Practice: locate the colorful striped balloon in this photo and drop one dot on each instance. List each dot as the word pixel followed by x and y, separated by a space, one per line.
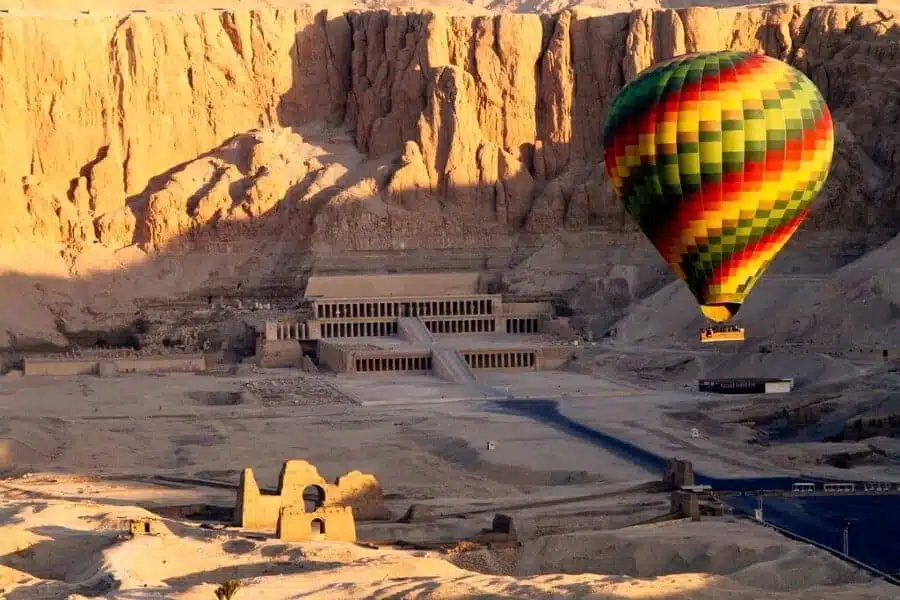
pixel 717 157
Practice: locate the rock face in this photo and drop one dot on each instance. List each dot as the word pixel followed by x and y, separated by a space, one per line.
pixel 144 129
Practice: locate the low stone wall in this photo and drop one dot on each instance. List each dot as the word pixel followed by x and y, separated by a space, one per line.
pixel 161 364
pixel 559 327
pixel 551 358
pixel 279 353
pixel 71 366
pixel 523 309
pixel 189 363
pixel 333 357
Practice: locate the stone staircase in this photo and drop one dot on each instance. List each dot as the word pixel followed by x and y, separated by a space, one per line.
pixel 448 363
pixel 414 331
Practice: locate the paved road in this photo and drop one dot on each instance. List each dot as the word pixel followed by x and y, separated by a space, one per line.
pixel 875 520
pixel 874 529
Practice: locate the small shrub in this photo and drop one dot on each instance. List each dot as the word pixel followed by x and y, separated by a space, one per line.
pixel 227 590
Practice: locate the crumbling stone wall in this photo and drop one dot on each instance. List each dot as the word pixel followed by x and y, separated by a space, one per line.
pixel 279 353
pixel 92 366
pixel 146 526
pixel 678 473
pixel 360 492
pixel 333 523
pixel 685 504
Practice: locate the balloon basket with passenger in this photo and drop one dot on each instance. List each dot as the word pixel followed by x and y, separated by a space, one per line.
pixel 721 333
pixel 717 157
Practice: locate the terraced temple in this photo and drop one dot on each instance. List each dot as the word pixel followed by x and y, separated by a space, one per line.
pixel 442 324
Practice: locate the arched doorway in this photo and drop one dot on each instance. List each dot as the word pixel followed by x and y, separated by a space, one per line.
pixel 313 498
pixel 317 528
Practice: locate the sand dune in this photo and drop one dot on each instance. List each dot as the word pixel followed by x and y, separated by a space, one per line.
pixel 63 549
pixel 59 532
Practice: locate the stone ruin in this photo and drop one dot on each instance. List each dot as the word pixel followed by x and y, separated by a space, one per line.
pixel 678 473
pixel 306 507
pixel 146 526
pixel 685 504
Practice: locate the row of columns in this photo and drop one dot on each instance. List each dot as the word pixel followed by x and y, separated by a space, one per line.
pixel 396 363
pixel 300 331
pixel 291 331
pixel 462 326
pixel 501 360
pixel 367 329
pixel 529 325
pixel 426 308
pixel 522 325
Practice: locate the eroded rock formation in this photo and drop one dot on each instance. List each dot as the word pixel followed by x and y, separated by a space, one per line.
pixel 161 127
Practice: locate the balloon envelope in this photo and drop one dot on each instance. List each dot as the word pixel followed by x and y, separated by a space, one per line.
pixel 717 157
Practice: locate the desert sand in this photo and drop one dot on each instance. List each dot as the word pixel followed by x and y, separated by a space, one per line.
pixel 154 156
pixel 66 546
pixel 99 443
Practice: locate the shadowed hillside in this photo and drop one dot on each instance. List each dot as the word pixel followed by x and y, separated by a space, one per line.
pixel 264 141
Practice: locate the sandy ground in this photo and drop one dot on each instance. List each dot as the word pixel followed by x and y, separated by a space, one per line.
pixel 109 435
pixel 644 325
pixel 211 426
pixel 53 548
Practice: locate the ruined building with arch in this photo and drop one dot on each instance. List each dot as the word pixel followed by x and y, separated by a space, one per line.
pixel 306 507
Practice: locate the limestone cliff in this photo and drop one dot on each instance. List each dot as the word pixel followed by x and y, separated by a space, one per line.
pixel 153 128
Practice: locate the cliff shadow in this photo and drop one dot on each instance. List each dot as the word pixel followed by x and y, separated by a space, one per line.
pixel 856 71
pixel 474 175
pixel 320 73
pixel 276 216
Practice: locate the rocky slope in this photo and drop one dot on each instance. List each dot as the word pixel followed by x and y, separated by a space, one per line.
pixel 156 128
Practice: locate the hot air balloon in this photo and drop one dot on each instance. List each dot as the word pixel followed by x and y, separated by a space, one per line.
pixel 717 157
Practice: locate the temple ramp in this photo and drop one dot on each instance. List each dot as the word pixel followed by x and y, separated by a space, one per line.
pixel 414 331
pixel 449 364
